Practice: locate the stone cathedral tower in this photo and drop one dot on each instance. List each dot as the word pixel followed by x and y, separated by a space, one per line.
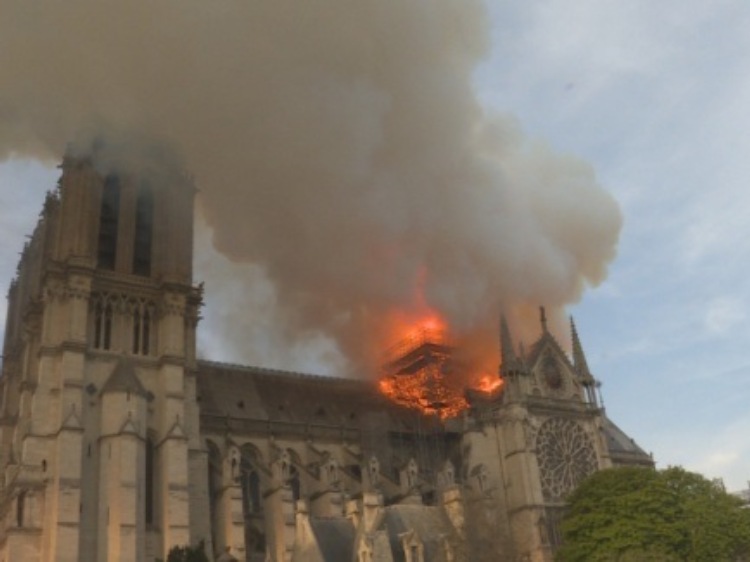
pixel 97 426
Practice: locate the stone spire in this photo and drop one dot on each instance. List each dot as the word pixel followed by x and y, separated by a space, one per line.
pixel 579 358
pixel 510 362
pixel 590 384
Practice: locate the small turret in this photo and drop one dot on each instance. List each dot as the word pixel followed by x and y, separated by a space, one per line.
pixel 543 319
pixel 581 366
pixel 511 364
pixel 512 367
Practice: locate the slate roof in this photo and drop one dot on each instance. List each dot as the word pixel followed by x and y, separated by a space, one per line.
pixel 623 446
pixel 335 538
pixel 430 523
pixel 253 393
pixel 270 396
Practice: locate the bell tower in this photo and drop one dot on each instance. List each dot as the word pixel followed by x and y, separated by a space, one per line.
pixel 98 418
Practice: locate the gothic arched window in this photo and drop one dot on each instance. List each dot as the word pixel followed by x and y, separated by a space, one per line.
pixel 102 323
pixel 294 483
pixel 250 478
pixel 252 499
pixel 144 226
pixel 142 315
pixel 20 508
pixel 109 218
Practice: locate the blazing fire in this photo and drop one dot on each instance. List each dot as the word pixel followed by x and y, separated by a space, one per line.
pixel 421 372
pixel 489 384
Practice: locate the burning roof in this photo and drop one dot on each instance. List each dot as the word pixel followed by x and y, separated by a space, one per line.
pixel 422 373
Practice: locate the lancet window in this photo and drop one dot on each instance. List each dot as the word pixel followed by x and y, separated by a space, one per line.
pixel 109 218
pixel 144 226
pixel 142 314
pixel 117 321
pixel 20 507
pixel 293 477
pixel 103 314
pixel 251 463
pixel 251 492
pixel 215 477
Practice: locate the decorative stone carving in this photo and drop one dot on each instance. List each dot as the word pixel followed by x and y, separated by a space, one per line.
pixel 373 469
pixel 531 428
pixel 447 476
pixel 552 375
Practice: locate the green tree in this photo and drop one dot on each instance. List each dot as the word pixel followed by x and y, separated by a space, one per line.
pixel 642 515
pixel 188 554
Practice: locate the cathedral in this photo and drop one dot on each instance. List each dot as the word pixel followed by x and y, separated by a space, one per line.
pixel 118 443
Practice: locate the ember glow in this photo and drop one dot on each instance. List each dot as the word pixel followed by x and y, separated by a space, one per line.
pixel 422 373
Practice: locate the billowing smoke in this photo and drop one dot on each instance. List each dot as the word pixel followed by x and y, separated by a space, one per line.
pixel 343 159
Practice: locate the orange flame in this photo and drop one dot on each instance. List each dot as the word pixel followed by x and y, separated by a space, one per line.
pixel 421 374
pixel 489 384
pixel 419 371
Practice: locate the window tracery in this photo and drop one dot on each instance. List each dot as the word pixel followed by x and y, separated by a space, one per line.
pixel 141 312
pixel 109 218
pixel 103 314
pixel 250 481
pixel 566 456
pixel 113 314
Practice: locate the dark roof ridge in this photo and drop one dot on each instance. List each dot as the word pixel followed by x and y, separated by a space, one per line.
pixel 267 371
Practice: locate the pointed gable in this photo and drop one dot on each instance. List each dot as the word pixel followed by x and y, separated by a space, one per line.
pixel 129 427
pixel 124 379
pixel 546 346
pixel 553 373
pixel 72 420
pixel 579 358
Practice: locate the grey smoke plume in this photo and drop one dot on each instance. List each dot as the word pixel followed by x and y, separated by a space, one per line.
pixel 341 153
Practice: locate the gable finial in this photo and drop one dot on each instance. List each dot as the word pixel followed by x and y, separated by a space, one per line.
pixel 590 384
pixel 579 358
pixel 543 318
pixel 508 360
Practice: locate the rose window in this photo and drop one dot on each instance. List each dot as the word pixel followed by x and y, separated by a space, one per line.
pixel 566 456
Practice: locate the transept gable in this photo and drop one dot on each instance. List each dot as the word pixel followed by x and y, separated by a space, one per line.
pixel 553 375
pixel 552 372
pixel 546 346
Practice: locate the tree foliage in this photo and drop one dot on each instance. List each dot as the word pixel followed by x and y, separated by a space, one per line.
pixel 188 554
pixel 642 515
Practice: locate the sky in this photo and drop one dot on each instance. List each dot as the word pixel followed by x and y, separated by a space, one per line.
pixel 654 96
